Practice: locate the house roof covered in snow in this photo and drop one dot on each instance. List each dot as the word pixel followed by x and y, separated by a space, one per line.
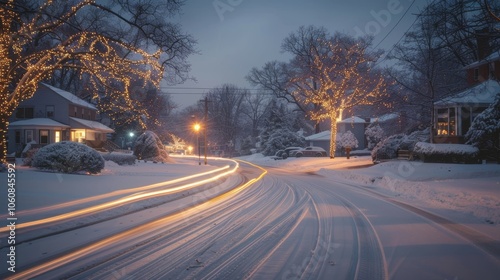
pixel 70 97
pixel 322 136
pixel 384 118
pixel 88 124
pixel 38 122
pixel 481 94
pixel 353 119
pixel 495 56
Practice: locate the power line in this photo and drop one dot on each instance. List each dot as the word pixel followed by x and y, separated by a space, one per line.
pixel 394 27
pixel 203 88
pixel 385 57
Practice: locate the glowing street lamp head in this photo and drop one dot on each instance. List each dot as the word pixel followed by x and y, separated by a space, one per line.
pixel 131 134
pixel 197 127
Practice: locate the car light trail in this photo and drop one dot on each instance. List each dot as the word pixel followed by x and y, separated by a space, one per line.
pixel 120 192
pixel 128 199
pixel 60 261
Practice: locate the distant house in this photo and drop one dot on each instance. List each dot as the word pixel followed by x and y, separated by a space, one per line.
pixel 54 115
pixel 356 125
pixel 454 115
pixel 321 139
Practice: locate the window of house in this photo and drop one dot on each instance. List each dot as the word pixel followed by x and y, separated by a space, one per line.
pixel 76 110
pixel 44 137
pixel 446 121
pixel 57 137
pixel 28 135
pixel 25 113
pixel 49 110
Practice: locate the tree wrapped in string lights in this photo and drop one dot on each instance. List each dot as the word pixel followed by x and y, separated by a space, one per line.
pixel 109 44
pixel 341 75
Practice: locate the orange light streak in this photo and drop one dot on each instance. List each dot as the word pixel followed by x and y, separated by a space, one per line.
pixel 37 270
pixel 120 192
pixel 128 199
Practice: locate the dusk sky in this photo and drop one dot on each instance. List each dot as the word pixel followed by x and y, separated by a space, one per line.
pixel 235 35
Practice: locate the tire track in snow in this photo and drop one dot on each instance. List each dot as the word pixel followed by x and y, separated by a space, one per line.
pixel 368 259
pixel 95 253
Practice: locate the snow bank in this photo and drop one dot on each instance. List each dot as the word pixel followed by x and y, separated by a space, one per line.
pixel 446 152
pixel 470 189
pixel 445 148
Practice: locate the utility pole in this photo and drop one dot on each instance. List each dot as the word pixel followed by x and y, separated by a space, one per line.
pixel 205 130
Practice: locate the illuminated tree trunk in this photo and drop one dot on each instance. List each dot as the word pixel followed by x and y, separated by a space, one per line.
pixel 333 134
pixel 4 123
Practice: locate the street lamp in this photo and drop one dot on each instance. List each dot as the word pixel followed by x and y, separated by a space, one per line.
pixel 197 128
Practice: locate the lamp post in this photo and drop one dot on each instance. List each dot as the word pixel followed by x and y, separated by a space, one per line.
pixel 197 129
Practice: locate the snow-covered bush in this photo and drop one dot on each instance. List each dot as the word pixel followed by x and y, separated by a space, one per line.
pixel 148 146
pixel 68 157
pixel 485 128
pixel 28 156
pixel 374 134
pixel 446 153
pixel 119 158
pixel 388 148
pixel 348 140
pixel 281 139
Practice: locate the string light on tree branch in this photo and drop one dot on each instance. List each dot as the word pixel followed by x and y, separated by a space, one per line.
pixel 111 64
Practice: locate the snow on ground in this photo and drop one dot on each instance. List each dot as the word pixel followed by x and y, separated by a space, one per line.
pixel 36 189
pixel 464 193
pixel 460 192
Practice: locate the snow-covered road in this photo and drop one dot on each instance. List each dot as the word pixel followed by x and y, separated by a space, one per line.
pixel 285 225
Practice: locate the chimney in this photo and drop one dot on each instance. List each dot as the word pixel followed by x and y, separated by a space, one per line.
pixel 483 43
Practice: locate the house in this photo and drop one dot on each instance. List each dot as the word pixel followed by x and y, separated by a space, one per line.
pixel 354 124
pixel 357 126
pixel 453 116
pixel 54 115
pixel 321 139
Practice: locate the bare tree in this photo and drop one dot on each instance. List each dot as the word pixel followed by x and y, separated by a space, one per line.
pixel 426 71
pixel 254 108
pixel 40 38
pixel 432 56
pixel 225 113
pixel 304 45
pixel 458 23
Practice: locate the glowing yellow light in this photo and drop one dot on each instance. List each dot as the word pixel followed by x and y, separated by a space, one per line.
pixel 197 127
